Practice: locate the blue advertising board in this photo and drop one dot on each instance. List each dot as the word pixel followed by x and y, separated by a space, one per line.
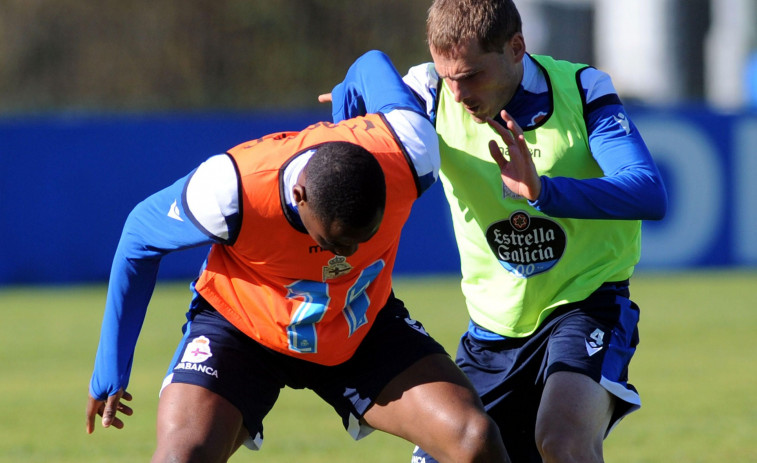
pixel 709 163
pixel 67 183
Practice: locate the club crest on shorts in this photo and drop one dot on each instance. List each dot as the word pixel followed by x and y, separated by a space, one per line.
pixel 596 343
pixel 416 325
pixel 336 267
pixel 197 351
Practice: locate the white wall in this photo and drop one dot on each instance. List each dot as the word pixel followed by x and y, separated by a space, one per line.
pixel 729 45
pixel 634 42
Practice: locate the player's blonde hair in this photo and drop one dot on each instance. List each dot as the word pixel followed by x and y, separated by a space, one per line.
pixel 451 23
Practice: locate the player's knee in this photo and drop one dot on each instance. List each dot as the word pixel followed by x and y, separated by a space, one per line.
pixel 561 448
pixel 188 454
pixel 480 441
pixel 468 440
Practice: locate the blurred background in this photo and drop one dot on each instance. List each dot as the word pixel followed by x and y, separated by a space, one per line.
pixel 103 103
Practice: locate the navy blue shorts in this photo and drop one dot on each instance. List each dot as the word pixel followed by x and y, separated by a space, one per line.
pixel 217 356
pixel 596 337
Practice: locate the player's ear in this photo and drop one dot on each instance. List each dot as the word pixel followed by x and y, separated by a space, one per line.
pixel 299 193
pixel 517 45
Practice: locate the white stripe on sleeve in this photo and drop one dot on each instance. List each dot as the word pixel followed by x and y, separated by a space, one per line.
pixel 420 140
pixel 212 195
pixel 596 84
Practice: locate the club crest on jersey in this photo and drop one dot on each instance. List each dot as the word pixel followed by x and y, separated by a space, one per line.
pixel 197 351
pixel 336 267
pixel 526 245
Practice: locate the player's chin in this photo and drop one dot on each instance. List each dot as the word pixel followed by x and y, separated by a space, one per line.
pixel 477 115
pixel 479 118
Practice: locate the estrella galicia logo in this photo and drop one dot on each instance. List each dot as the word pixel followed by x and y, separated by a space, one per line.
pixel 525 245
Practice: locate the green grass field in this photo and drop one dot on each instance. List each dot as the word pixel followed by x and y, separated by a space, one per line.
pixel 696 369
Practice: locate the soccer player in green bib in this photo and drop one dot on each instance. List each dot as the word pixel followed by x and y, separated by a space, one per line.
pixel 548 181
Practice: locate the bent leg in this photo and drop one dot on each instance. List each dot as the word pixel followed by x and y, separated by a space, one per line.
pixel 196 425
pixel 433 405
pixel 573 418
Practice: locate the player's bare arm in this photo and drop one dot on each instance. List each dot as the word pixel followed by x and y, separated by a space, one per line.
pixel 108 410
pixel 519 173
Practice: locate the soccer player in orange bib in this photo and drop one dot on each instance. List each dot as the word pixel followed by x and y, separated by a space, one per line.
pixel 296 289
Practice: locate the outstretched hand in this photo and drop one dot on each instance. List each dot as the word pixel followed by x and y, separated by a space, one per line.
pixel 108 409
pixel 324 98
pixel 519 173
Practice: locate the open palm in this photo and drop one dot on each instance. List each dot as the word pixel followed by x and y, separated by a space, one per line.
pixel 519 173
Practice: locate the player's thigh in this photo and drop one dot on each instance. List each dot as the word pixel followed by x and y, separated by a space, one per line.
pixel 589 350
pixel 216 356
pixel 430 400
pixel 195 424
pixel 574 409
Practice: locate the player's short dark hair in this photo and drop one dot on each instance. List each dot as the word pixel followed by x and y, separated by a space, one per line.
pixel 345 184
pixel 453 22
